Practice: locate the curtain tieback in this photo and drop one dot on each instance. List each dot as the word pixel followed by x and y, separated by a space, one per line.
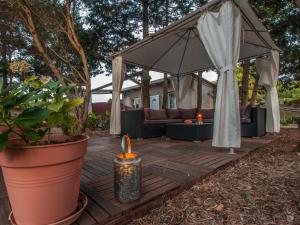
pixel 116 92
pixel 226 68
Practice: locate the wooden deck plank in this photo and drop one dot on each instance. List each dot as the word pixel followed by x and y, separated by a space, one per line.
pixel 4 211
pixel 168 167
pixel 96 212
pixel 86 219
pixel 107 205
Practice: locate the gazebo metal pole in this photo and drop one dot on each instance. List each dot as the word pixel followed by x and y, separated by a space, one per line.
pixel 178 90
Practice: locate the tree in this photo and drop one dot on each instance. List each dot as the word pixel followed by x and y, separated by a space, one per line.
pixel 256 92
pixel 145 79
pixel 12 39
pixel 107 27
pixel 166 83
pixel 199 91
pixel 281 17
pixel 52 27
pixel 245 83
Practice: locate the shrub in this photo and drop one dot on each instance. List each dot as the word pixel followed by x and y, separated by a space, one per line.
pixel 289 120
pixel 31 108
pixel 93 121
pixel 104 121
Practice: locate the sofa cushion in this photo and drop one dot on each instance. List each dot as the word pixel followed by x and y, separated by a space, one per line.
pixel 173 114
pixel 187 113
pixel 246 120
pixel 207 113
pixel 210 120
pixel 159 114
pixel 147 113
pixel 163 121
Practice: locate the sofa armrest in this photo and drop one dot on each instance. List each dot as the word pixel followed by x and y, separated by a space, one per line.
pixel 258 116
pixel 132 122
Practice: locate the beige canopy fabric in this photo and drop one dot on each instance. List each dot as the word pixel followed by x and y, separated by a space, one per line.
pixel 221 33
pixel 118 74
pixel 178 49
pixel 183 90
pixel 268 71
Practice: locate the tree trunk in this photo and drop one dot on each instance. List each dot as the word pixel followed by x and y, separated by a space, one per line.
pixel 145 89
pixel 254 93
pixel 165 92
pixel 25 13
pixel 199 91
pixel 166 87
pixel 72 36
pixel 4 66
pixel 146 77
pixel 245 83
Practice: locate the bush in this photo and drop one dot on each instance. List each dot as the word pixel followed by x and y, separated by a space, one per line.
pixel 289 120
pixel 32 108
pixel 104 121
pixel 93 121
pixel 98 121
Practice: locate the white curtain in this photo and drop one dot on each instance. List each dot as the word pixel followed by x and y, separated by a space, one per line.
pixel 185 88
pixel 118 74
pixel 220 33
pixel 268 71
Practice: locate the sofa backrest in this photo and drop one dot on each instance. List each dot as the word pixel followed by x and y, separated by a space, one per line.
pixel 207 113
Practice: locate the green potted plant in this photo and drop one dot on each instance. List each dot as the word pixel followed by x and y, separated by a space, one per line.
pixel 41 169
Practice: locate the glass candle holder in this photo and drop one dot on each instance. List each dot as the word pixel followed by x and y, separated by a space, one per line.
pixel 127 179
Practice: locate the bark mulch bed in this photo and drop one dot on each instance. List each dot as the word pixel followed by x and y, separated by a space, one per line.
pixel 263 188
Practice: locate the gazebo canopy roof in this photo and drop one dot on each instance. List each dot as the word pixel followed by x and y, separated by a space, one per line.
pixel 178 49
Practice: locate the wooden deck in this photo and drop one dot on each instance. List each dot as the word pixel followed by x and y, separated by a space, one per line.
pixel 169 166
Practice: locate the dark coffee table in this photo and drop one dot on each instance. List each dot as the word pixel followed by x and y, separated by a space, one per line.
pixel 190 132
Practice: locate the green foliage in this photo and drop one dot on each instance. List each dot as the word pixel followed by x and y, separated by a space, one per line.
pixel 281 17
pixel 33 107
pixel 93 121
pixel 289 120
pixel 252 76
pixel 101 122
pixel 104 121
pixel 289 94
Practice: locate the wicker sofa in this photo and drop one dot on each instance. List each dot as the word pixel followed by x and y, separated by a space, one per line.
pixel 147 123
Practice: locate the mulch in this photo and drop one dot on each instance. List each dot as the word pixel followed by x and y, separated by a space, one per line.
pixel 262 188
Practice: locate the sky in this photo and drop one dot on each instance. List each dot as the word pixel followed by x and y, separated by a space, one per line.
pixel 102 80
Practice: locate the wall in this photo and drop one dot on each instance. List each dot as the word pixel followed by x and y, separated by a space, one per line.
pixel 157 89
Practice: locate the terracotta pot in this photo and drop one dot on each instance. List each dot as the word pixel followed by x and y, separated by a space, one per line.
pixel 4 128
pixel 43 182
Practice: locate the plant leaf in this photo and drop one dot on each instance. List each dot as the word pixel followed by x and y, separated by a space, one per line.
pixel 30 117
pixel 51 85
pixel 34 135
pixel 56 104
pixel 4 139
pixel 29 79
pixel 55 119
pixel 9 101
pixel 72 104
pixel 66 89
pixel 1 86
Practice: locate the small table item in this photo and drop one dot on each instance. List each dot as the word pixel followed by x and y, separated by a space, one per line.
pixel 190 132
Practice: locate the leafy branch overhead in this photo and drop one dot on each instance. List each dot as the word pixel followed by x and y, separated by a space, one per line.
pixel 30 109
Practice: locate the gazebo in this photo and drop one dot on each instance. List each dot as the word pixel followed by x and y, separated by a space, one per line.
pixel 217 35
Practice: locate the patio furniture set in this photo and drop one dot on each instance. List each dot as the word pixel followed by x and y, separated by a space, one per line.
pixel 150 123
